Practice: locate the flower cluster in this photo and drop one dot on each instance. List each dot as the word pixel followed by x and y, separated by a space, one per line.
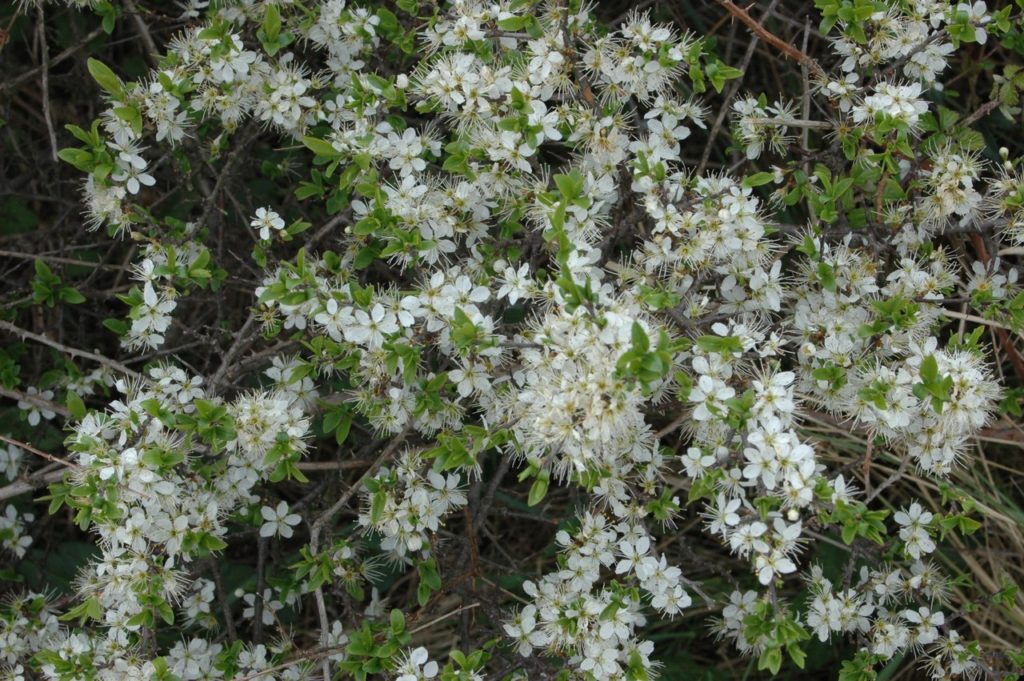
pixel 406 505
pixel 595 623
pixel 519 268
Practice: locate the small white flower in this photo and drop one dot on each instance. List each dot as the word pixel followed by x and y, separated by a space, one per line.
pixel 10 461
pixel 279 521
pixel 417 666
pixel 266 220
pixel 977 14
pixel 914 530
pixel 34 408
pixel 370 329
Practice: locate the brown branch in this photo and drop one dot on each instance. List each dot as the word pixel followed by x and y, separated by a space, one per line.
pixel 730 93
pixel 236 369
pixel 60 260
pixel 25 334
pixel 30 484
pixel 242 340
pixel 37 400
pixel 1005 342
pixel 308 466
pixel 222 599
pixel 152 53
pixel 44 53
pixel 40 453
pixel 982 111
pixel 321 521
pixel 28 75
pixel 246 137
pixel 792 123
pixel 888 482
pixel 457 611
pixel 678 421
pixel 301 656
pixel 775 41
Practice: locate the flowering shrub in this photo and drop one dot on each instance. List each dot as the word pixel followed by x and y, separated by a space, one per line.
pixel 477 246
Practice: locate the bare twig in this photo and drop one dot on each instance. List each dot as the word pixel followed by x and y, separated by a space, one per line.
pixel 488 498
pixel 241 340
pixel 676 422
pixel 36 400
pixel 30 484
pixel 307 466
pixel 321 521
pixel 888 482
pixel 222 599
pixel 38 452
pixel 152 53
pixel 778 43
pixel 805 110
pixel 979 113
pixel 456 611
pixel 318 525
pixel 59 259
pixel 306 655
pixel 327 228
pixel 734 87
pixel 261 581
pixel 233 158
pixel 25 334
pixel 31 73
pixel 256 358
pixel 793 123
pixel 569 50
pixel 44 56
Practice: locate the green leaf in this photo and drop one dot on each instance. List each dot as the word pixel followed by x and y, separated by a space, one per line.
pixel 641 343
pixel 517 23
pixel 429 575
pixel 44 272
pixel 109 13
pixel 397 621
pixel 118 326
pixel 422 594
pixel 320 147
pixel 842 186
pixel 272 22
pixel 860 668
pixel 539 488
pixel 79 158
pixel 702 488
pixel 849 533
pixel 929 369
pixel 827 274
pixel 758 179
pixel 75 405
pixel 377 503
pixel 570 185
pixel 131 115
pixel 771 659
pixel 341 431
pixel 387 25
pixel 106 78
pixel 797 654
pixel 719 72
pixel 722 344
pixel 71 295
pixel 46 286
pixel 89 609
